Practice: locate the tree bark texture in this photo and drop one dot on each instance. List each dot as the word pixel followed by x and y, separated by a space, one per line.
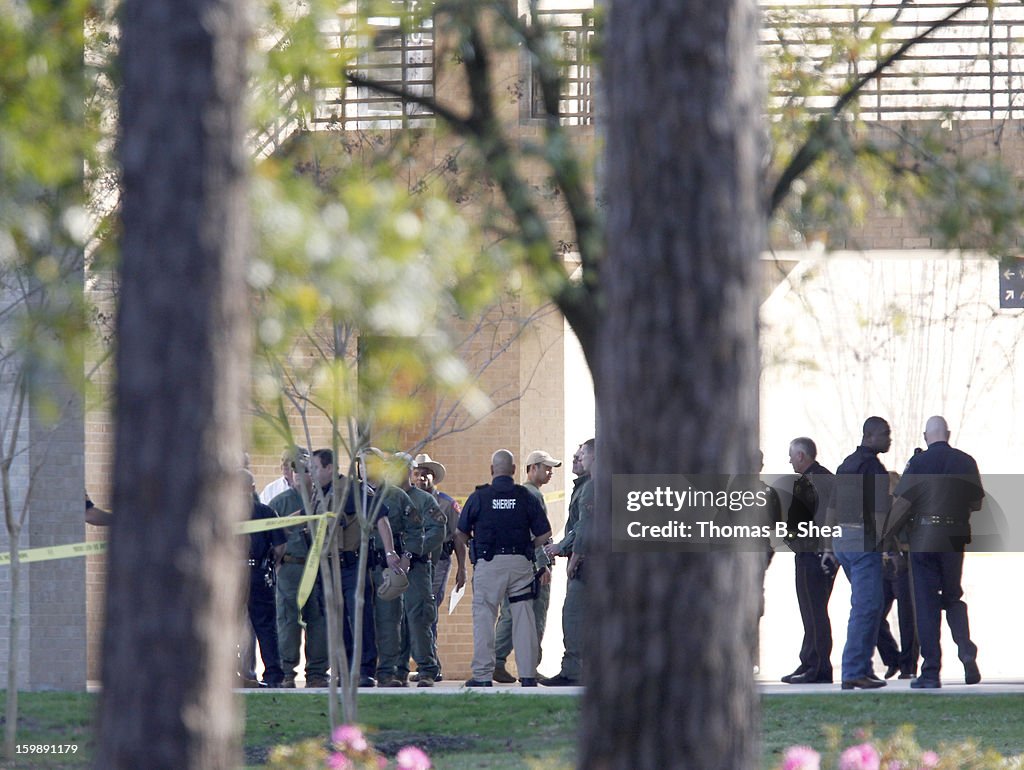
pixel 669 673
pixel 174 569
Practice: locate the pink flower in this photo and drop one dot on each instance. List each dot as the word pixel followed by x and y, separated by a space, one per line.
pixel 896 764
pixel 382 763
pixel 412 758
pixel 801 758
pixel 861 757
pixel 350 737
pixel 339 762
pixel 929 759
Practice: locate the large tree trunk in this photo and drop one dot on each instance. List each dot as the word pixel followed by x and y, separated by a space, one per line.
pixel 174 566
pixel 669 682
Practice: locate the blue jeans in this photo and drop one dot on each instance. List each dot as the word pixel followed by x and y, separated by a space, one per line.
pixel 864 571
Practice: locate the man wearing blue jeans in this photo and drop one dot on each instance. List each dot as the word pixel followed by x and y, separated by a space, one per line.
pixel 860 501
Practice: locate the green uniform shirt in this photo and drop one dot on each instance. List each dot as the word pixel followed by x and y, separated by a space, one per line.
pixel 565 547
pixel 427 524
pixel 285 504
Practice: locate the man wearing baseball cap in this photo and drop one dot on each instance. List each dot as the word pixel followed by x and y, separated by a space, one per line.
pixel 539 467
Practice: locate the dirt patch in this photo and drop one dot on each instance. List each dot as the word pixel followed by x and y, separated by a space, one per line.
pixel 389 742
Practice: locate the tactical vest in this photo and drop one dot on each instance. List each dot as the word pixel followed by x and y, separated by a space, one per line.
pixel 503 523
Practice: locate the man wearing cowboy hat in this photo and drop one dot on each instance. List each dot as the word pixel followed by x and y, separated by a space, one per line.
pixel 426 475
pixel 539 467
pixel 425 532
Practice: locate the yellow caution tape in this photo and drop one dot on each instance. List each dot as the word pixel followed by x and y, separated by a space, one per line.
pixel 312 562
pixel 263 525
pixel 48 553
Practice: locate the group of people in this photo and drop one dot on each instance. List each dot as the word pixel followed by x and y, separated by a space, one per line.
pixel 896 538
pixel 505 529
pixel 416 533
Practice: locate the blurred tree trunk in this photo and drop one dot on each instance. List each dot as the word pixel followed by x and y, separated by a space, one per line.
pixel 669 676
pixel 174 567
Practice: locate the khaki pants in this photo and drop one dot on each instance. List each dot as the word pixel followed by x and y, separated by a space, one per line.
pixel 503 576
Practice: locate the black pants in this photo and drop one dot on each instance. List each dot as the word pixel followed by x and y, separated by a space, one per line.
pixel 368 660
pixel 936 580
pixel 813 590
pixel 896 588
pixel 262 607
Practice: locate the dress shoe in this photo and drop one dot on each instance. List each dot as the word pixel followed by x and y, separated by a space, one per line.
pixel 873 677
pixel 367 681
pixel 925 684
pixel 971 673
pixel 892 670
pixel 390 681
pixel 558 680
pixel 528 681
pixel 810 678
pixel 425 681
pixel 787 679
pixel 477 683
pixel 864 683
pixel 907 675
pixel 502 676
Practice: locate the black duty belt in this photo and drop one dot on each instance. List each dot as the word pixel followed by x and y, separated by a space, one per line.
pixel 349 558
pixel 510 550
pixel 940 521
pixel 416 558
pixel 289 559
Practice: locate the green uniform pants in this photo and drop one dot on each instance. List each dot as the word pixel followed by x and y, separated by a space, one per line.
pixel 418 623
pixel 572 630
pixel 387 621
pixel 289 632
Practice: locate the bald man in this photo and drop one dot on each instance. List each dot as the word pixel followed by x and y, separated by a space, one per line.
pixel 507 524
pixel 934 500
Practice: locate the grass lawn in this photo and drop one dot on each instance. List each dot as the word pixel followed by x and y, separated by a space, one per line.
pixel 505 732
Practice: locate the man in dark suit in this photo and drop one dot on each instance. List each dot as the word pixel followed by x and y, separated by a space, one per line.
pixel 811 493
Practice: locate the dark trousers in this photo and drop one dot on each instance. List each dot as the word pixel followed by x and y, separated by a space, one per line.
pixel 262 607
pixel 368 661
pixel 936 580
pixel 896 588
pixel 813 590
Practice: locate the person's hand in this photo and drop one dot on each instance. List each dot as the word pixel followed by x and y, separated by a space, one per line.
pixel 460 578
pixel 545 577
pixel 829 563
pixel 574 563
pixel 551 550
pixel 394 562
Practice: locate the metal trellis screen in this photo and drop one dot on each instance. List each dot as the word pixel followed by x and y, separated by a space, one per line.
pixel 971 68
pixel 391 51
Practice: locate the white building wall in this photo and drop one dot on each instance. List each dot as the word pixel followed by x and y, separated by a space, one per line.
pixel 903 335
